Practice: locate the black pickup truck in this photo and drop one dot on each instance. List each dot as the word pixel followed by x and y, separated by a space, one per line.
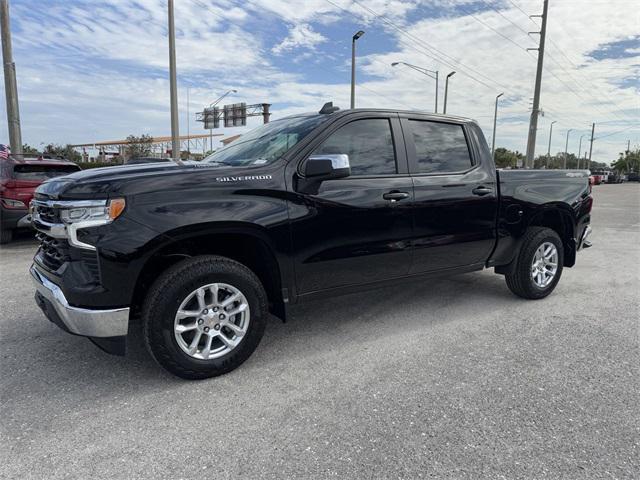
pixel 307 206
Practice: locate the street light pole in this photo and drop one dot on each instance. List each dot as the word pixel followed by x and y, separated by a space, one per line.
pixel 446 90
pixel 549 149
pixel 579 150
pixel 173 87
pixel 429 73
pixel 593 129
pixel 436 106
pixel 566 146
pixel 357 35
pixel 495 121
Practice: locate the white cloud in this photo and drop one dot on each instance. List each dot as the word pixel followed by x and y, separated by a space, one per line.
pixel 300 36
pixel 107 76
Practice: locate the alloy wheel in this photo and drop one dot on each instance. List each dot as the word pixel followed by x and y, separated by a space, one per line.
pixel 211 321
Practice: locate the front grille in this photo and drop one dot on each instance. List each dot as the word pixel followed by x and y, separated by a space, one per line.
pixel 47 214
pixel 54 251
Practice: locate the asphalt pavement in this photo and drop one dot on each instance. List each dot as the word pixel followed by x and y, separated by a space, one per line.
pixel 446 378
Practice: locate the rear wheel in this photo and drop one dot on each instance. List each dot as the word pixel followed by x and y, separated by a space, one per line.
pixel 6 236
pixel 204 317
pixel 538 268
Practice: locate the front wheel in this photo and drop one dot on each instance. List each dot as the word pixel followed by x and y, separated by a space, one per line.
pixel 204 317
pixel 538 267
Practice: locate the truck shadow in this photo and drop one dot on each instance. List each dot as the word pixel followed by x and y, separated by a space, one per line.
pixel 314 332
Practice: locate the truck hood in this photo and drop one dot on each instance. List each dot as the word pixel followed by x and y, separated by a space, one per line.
pixel 141 178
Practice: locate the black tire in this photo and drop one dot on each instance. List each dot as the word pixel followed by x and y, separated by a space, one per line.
pixel 519 278
pixel 164 299
pixel 6 236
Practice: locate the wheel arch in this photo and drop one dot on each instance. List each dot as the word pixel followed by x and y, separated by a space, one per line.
pixel 246 243
pixel 559 218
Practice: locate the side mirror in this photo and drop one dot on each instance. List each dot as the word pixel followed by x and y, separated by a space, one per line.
pixel 327 167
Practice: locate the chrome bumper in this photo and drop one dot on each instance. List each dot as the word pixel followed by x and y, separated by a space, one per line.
pixel 82 321
pixel 584 241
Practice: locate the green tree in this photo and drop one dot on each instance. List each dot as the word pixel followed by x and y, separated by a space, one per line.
pixel 628 161
pixel 29 150
pixel 67 152
pixel 139 146
pixel 505 158
pixel 557 162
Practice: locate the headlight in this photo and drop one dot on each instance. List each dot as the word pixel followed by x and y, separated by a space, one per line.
pixel 11 203
pixel 96 215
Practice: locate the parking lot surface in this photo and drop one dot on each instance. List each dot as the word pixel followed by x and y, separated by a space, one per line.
pixel 445 378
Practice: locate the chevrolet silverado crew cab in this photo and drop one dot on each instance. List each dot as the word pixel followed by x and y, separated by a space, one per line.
pixel 304 207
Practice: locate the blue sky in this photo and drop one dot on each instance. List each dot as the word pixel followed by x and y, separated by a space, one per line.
pixel 97 70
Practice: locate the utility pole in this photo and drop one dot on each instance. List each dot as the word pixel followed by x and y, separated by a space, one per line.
pixel 533 123
pixel 549 149
pixel 566 147
pixel 593 129
pixel 357 35
pixel 628 146
pixel 446 90
pixel 495 118
pixel 10 83
pixel 175 135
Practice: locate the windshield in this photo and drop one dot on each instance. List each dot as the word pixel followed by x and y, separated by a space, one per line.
pixel 267 143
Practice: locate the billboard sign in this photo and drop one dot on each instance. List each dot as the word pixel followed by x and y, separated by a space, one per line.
pixel 211 118
pixel 235 115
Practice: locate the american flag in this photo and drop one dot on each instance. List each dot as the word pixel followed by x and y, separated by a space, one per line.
pixel 4 151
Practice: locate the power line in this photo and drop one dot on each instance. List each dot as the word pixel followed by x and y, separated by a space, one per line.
pixel 615 133
pixel 560 50
pixel 433 52
pixel 544 67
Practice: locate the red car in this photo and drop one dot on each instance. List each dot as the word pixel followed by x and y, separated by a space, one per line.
pixel 19 177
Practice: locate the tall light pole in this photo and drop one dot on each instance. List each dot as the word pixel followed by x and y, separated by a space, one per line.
pixel 357 35
pixel 549 148
pixel 10 83
pixel 429 73
pixel 213 105
pixel 446 90
pixel 173 87
pixel 495 121
pixel 533 123
pixel 579 150
pixel 566 147
pixel 593 129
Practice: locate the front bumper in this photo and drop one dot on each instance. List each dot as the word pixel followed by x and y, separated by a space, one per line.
pixel 79 321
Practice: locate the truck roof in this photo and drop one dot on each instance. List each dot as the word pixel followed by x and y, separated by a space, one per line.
pixel 434 116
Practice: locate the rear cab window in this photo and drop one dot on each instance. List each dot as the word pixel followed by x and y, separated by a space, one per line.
pixel 440 147
pixel 30 172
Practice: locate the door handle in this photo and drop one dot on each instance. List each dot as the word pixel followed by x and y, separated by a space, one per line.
pixel 482 190
pixel 395 196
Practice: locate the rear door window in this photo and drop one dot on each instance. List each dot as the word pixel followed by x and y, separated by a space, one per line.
pixel 440 147
pixel 42 172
